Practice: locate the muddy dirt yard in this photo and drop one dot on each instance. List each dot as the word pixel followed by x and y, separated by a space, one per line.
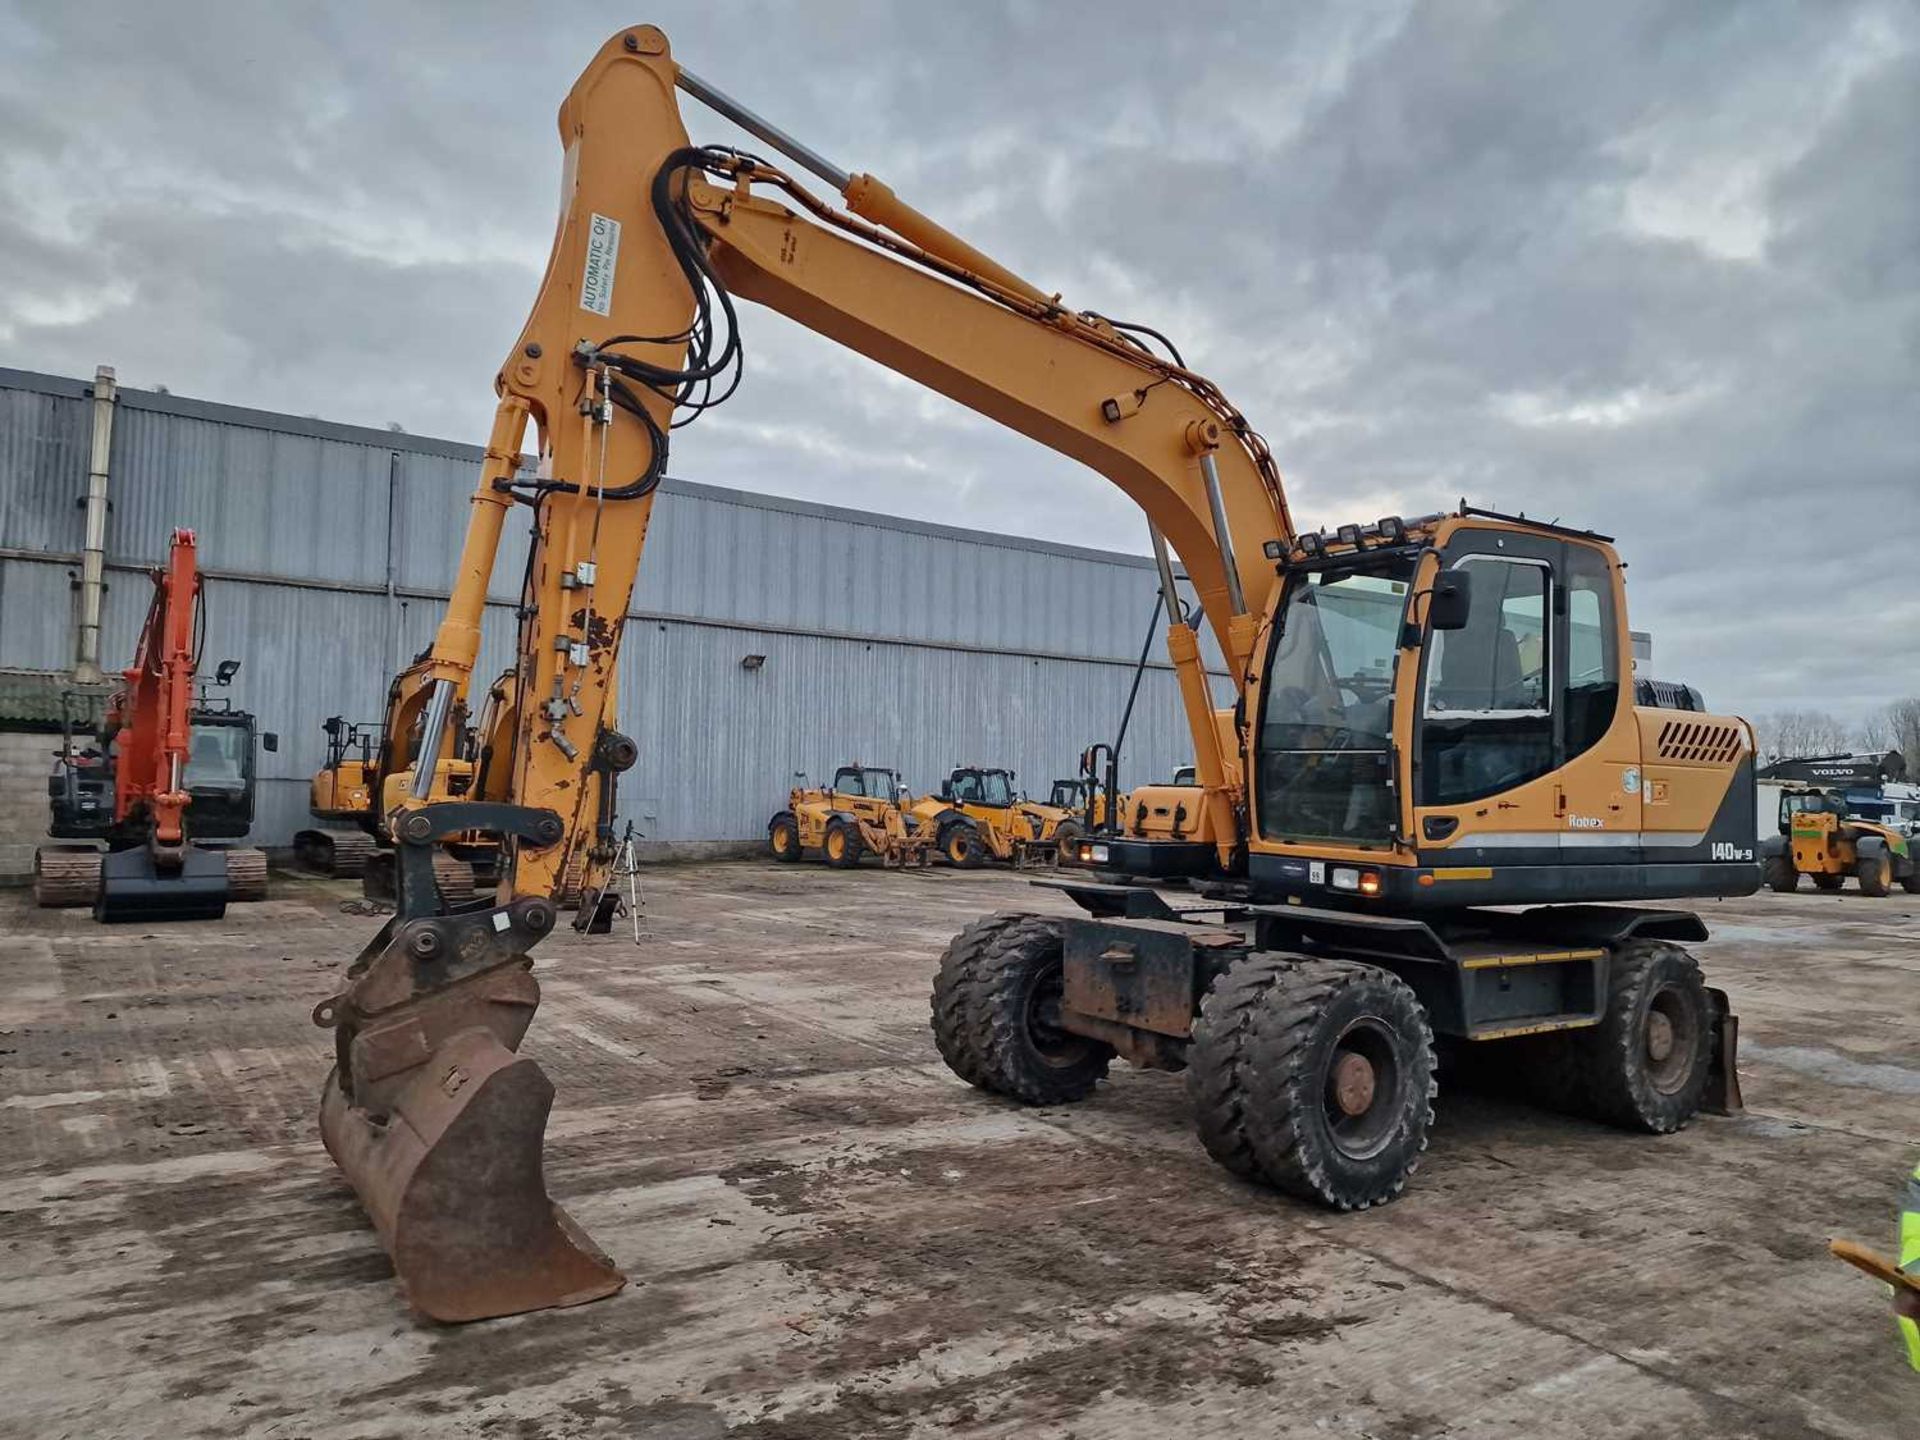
pixel 830 1236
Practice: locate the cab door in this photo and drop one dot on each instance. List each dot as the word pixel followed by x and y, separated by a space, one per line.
pixel 1599 790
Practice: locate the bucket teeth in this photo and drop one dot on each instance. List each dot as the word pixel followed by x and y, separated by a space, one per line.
pixel 452 1179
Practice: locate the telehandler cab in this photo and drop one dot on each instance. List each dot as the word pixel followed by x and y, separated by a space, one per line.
pixel 1433 796
pixel 1820 840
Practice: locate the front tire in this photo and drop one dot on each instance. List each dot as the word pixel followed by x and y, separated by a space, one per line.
pixel 1315 1077
pixel 1875 873
pixel 783 838
pixel 841 846
pixel 1782 878
pixel 962 846
pixel 996 1013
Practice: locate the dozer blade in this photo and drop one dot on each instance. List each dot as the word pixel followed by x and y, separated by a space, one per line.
pixel 1723 1068
pixel 453 1183
pixel 133 888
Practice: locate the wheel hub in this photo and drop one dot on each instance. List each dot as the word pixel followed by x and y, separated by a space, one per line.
pixel 1659 1037
pixel 1354 1083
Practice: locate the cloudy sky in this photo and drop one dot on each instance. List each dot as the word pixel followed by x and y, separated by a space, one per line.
pixel 1651 268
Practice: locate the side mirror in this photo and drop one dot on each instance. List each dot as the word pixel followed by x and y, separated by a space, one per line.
pixel 946 790
pixel 269 742
pixel 1450 601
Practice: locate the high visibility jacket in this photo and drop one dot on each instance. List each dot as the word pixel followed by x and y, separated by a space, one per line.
pixel 1910 1258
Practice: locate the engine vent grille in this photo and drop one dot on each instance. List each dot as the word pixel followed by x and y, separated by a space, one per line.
pixel 1699 741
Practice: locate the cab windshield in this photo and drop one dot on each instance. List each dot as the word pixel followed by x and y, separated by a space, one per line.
pixel 983 787
pixel 1327 712
pixel 217 758
pixel 875 784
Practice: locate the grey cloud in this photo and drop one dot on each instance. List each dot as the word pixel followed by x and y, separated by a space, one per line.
pixel 1649 267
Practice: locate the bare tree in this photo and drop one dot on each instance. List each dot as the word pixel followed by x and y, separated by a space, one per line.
pixel 1874 733
pixel 1903 730
pixel 1792 734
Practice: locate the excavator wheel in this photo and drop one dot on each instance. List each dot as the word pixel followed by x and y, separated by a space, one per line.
pixel 996 1014
pixel 1875 873
pixel 1823 881
pixel 65 876
pixel 783 838
pixel 246 874
pixel 841 847
pixel 1315 1077
pixel 1647 1064
pixel 960 844
pixel 1782 878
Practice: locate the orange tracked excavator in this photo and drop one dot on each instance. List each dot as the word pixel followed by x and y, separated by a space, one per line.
pixel 1432 723
pixel 172 778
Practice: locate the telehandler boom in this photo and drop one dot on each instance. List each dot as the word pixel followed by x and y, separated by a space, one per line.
pixel 1431 717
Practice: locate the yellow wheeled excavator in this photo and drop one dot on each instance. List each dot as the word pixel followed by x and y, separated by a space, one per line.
pixel 370 770
pixel 1432 726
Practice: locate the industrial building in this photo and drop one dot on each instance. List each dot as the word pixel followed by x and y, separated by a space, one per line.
pixel 329 550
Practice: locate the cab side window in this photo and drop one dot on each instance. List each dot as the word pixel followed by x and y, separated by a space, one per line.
pixel 1593 650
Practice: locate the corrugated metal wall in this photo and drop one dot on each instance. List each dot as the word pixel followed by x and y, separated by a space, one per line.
pixel 331 549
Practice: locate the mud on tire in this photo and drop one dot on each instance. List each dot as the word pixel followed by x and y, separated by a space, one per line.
pixel 996 1011
pixel 1269 1049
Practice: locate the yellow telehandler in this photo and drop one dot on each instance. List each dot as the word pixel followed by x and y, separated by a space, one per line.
pixel 863 812
pixel 1820 840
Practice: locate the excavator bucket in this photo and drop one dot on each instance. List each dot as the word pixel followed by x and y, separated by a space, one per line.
pixel 439 1125
pixel 454 1184
pixel 133 888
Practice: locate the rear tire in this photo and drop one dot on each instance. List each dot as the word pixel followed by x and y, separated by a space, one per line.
pixel 1782 878
pixel 841 846
pixel 1645 1066
pixel 996 1013
pixel 1315 1077
pixel 1911 880
pixel 1829 883
pixel 1875 873
pixel 783 838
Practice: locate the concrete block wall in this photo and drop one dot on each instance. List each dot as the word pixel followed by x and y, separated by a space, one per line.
pixel 25 762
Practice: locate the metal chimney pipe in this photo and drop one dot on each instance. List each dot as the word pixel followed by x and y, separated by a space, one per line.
pixel 93 559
